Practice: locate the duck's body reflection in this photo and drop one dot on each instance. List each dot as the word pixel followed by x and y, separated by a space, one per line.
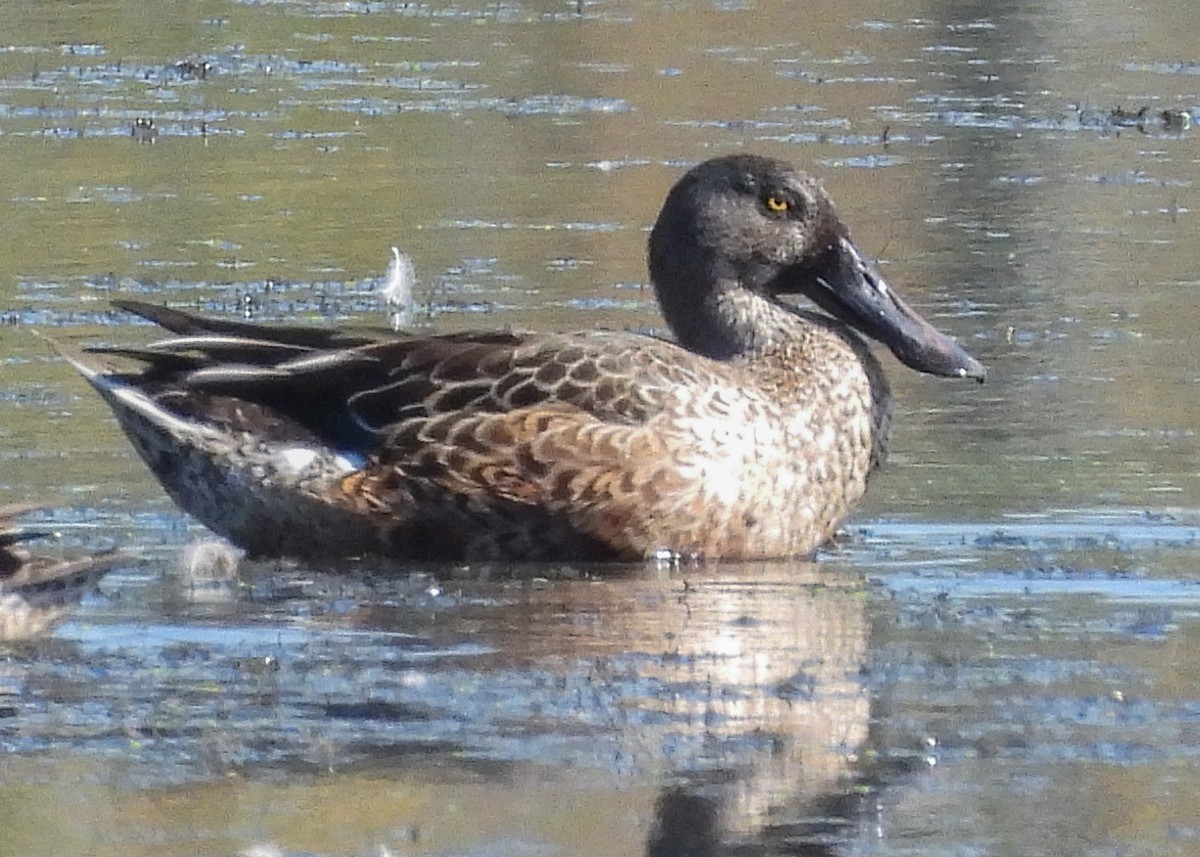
pixel 737 689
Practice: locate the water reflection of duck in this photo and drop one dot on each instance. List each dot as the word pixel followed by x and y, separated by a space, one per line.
pixel 753 436
pixel 37 592
pixel 738 689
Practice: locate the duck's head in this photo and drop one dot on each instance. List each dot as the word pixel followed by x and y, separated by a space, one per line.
pixel 737 229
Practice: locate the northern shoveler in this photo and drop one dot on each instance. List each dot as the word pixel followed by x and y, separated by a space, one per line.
pixel 752 434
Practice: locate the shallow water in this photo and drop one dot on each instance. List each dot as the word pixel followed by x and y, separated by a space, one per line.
pixel 999 657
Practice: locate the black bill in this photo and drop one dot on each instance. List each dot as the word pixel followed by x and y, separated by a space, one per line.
pixel 847 285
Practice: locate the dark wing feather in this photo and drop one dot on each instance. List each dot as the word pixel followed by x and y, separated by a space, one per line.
pixel 189 324
pixel 359 391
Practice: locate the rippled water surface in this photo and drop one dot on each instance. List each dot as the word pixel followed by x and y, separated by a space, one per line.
pixel 999 657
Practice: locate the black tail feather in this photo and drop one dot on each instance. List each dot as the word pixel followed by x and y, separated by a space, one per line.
pixel 188 324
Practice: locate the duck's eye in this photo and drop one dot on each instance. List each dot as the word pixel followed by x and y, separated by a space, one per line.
pixel 777 204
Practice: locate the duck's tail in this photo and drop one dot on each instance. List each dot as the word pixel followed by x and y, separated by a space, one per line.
pixel 271 495
pixel 132 405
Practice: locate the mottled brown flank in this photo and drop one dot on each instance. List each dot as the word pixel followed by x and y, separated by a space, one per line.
pixel 754 437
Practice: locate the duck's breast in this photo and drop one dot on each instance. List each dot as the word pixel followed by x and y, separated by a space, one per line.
pixel 773 461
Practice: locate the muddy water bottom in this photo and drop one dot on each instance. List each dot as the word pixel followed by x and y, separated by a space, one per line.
pixel 886 701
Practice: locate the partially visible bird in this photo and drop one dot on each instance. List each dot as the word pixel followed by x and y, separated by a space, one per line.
pixel 37 592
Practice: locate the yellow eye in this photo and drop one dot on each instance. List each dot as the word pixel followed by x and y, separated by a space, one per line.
pixel 777 204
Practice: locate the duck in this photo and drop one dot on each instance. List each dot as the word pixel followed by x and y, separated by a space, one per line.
pixel 750 433
pixel 38 592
